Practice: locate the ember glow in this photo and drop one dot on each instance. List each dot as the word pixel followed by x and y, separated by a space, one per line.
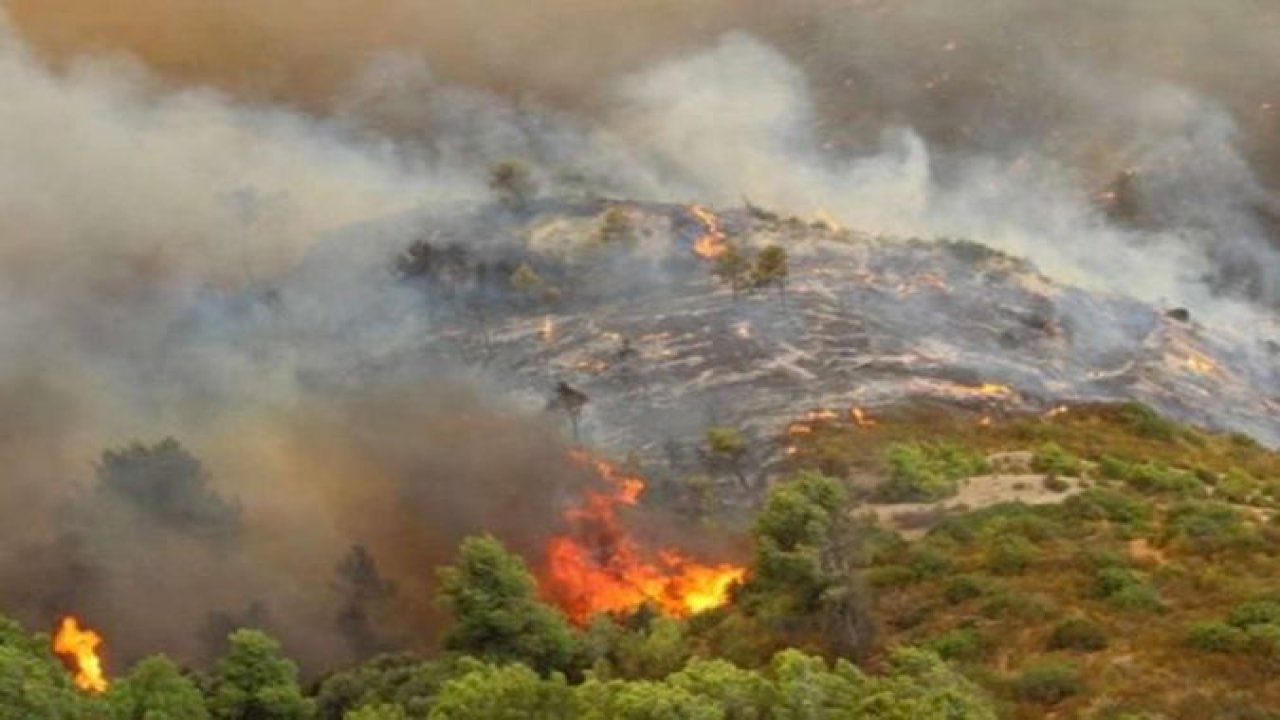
pixel 80 647
pixel 861 418
pixel 711 244
pixel 597 566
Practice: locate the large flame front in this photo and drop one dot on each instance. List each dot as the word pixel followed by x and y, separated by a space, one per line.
pixel 80 646
pixel 598 567
pixel 711 244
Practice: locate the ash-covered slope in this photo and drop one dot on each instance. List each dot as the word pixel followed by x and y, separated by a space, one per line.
pixel 662 349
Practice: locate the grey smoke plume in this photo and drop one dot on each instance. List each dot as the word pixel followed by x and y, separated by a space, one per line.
pixel 176 178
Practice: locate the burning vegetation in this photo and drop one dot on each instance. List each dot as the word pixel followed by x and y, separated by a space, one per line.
pixel 711 243
pixel 80 648
pixel 599 566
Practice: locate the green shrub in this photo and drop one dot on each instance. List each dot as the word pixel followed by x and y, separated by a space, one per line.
pixel 962 588
pixel 923 472
pixel 1108 504
pixel 1077 633
pixel 1011 555
pixel 1236 487
pixel 890 576
pixel 1214 636
pixel 1207 526
pixel 1049 682
pixel 960 644
pixel 1263 642
pixel 1007 604
pixel 1033 522
pixel 1051 459
pixel 1137 598
pixel 1148 423
pixel 1159 479
pixel 1124 589
pixel 1258 612
pixel 1113 468
pixel 926 563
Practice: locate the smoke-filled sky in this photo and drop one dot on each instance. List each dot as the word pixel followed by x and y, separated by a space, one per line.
pixel 161 161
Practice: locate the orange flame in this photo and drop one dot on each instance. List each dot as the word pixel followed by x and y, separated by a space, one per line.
pixel 711 244
pixel 598 567
pixel 993 390
pixel 80 646
pixel 861 418
pixel 1200 364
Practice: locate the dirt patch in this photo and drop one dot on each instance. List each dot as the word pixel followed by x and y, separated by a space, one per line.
pixel 913 520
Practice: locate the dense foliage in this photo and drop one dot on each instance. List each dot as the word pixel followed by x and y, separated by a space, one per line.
pixel 1144 588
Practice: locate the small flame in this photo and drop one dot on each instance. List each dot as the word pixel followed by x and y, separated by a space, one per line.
pixel 861 418
pixel 548 330
pixel 799 428
pixel 80 646
pixel 1200 364
pixel 598 567
pixel 993 390
pixel 1055 412
pixel 711 244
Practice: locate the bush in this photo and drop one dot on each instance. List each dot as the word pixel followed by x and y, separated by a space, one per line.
pixel 1077 633
pixel 1124 589
pixel 1051 459
pixel 1263 642
pixel 1005 605
pixel 890 576
pixel 962 588
pixel 1214 636
pixel 1137 598
pixel 1147 422
pixel 959 644
pixel 1209 526
pixel 1236 487
pixel 1049 682
pixel 1156 478
pixel 1108 504
pixel 1011 555
pixel 921 472
pixel 1260 612
pixel 928 563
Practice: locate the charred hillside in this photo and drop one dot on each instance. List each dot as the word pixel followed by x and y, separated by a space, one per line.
pixel 628 304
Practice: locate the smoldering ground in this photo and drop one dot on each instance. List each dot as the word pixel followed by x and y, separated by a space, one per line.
pixel 166 170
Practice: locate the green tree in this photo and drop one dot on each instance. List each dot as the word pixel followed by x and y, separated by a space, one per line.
pixel 732 268
pixel 33 686
pixel 483 691
pixel 806 555
pixel 644 700
pixel 742 694
pixel 513 183
pixel 402 680
pixel 496 612
pixel 156 690
pixel 254 681
pixel 651 652
pixel 378 712
pixel 771 268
